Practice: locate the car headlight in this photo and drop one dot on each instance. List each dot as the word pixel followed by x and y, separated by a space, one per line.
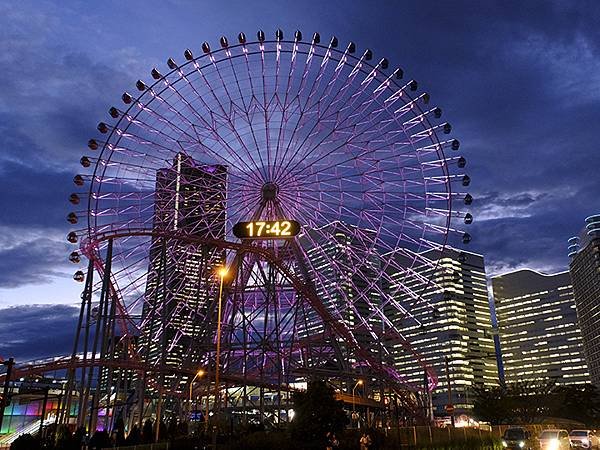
pixel 553 444
pixel 504 444
pixel 521 444
pixel 585 441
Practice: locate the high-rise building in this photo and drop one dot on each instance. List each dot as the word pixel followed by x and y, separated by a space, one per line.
pixel 584 252
pixel 451 319
pixel 345 275
pixel 190 199
pixel 537 325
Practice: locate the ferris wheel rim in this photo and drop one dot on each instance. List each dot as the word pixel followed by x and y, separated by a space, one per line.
pixel 177 75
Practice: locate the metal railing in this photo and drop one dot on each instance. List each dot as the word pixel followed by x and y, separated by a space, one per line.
pixel 159 446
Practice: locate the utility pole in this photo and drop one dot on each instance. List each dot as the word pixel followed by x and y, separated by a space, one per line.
pixel 4 401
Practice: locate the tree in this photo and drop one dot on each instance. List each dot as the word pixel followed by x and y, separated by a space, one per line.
pixel 119 430
pixel 63 438
pixel 134 437
pixel 162 432
pixel 317 412
pixel 172 428
pixel 25 442
pixel 526 402
pixel 581 403
pixel 79 437
pixel 148 432
pixel 491 404
pixel 100 440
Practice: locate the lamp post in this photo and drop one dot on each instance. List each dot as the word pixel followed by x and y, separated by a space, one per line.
pixel 222 273
pixel 358 383
pixel 198 374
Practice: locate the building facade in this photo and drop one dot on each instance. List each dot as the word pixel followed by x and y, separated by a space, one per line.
pixel 584 267
pixel 345 276
pixel 537 325
pixel 452 322
pixel 190 199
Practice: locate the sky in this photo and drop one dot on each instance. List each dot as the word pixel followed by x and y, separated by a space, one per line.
pixel 518 80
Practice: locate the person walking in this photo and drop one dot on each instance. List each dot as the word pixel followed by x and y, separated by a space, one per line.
pixel 332 441
pixel 365 441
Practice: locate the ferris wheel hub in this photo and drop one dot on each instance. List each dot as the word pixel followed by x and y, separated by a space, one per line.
pixel 269 191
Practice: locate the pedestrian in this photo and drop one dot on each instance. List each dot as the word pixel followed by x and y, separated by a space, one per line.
pixel 332 441
pixel 365 441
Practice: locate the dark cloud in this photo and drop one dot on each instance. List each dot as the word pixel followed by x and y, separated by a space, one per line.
pixel 37 331
pixel 32 260
pixel 530 240
pixel 36 196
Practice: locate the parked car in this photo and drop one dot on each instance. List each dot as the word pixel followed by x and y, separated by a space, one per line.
pixel 584 439
pixel 555 440
pixel 517 438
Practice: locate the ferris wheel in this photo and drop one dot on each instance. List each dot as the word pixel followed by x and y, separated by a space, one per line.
pixel 316 175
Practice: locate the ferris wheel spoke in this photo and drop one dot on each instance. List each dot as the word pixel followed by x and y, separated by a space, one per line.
pixel 231 125
pixel 283 123
pixel 381 111
pixel 315 85
pixel 253 97
pixel 349 105
pixel 156 96
pixel 322 115
pixel 352 140
pixel 363 156
pixel 265 107
pixel 242 98
pixel 202 122
pixel 316 106
pixel 307 65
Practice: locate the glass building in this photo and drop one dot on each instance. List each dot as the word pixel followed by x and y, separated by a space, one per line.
pixel 584 267
pixel 451 320
pixel 538 330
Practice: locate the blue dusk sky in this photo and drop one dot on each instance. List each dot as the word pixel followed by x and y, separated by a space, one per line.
pixel 518 80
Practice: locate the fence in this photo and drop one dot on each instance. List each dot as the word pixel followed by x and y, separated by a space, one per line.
pixel 418 436
pixel 160 446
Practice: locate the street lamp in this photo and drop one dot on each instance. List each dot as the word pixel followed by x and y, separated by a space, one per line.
pixel 198 374
pixel 358 383
pixel 222 273
pixel 449 407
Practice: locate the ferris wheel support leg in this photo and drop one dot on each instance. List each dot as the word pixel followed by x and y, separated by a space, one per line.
pixel 163 345
pixel 64 411
pixel 140 405
pixel 100 324
pixel 109 353
pixel 278 346
pixel 105 319
pixel 82 406
pixel 158 413
pixel 245 350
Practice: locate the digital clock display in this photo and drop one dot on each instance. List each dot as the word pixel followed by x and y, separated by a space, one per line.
pixel 266 229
